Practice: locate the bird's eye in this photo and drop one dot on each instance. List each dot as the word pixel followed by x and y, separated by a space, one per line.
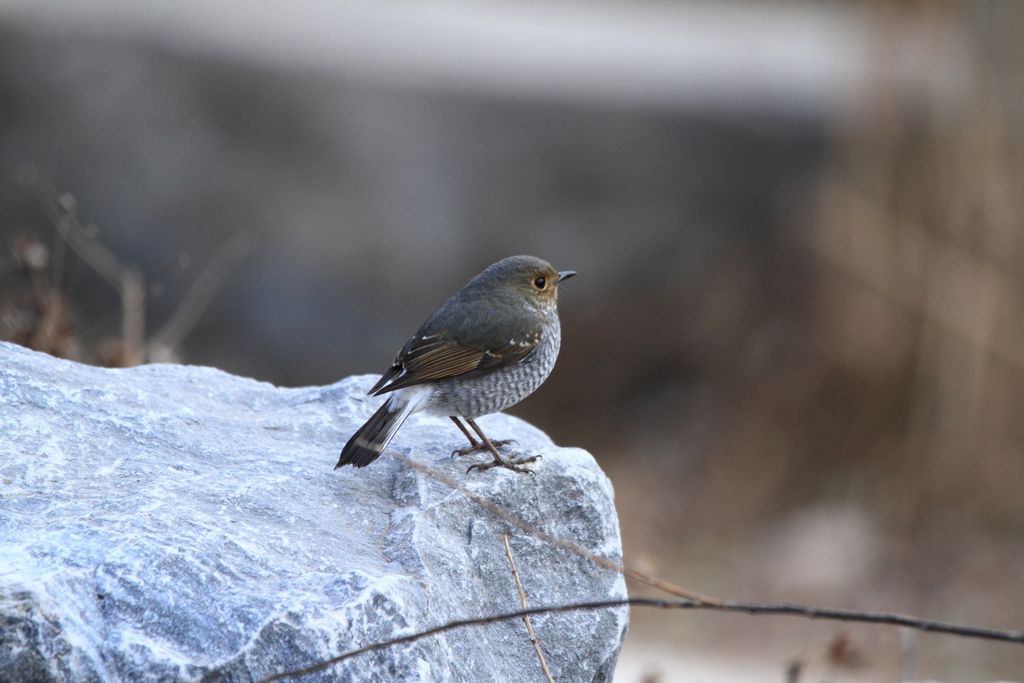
pixel 540 283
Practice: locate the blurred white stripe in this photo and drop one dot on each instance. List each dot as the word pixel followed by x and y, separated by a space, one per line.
pixel 796 59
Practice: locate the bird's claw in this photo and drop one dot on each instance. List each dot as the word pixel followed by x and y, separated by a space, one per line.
pixel 481 447
pixel 514 464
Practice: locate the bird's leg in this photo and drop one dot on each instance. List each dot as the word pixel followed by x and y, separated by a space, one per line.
pixel 513 464
pixel 474 445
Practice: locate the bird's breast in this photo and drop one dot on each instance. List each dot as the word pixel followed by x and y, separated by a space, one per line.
pixel 500 388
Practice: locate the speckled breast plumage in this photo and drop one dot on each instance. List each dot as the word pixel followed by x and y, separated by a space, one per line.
pixel 504 387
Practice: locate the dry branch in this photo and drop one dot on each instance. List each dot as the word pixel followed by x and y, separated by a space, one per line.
pixel 542 535
pixel 202 291
pixel 526 617
pixel 752 608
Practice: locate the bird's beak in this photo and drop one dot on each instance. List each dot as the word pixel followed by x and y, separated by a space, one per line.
pixel 565 274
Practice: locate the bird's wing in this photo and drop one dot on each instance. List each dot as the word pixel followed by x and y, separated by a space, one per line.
pixel 431 357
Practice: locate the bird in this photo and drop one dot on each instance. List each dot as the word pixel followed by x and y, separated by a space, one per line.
pixel 489 346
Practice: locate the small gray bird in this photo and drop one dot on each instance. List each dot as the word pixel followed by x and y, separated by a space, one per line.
pixel 487 348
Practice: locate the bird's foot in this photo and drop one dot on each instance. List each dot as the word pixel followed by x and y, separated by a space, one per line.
pixel 514 464
pixel 482 447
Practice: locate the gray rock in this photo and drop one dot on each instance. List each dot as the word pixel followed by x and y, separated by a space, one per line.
pixel 169 523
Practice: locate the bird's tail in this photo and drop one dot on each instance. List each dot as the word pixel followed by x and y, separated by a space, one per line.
pixel 366 444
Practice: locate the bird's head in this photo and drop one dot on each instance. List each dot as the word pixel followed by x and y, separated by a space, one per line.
pixel 528 276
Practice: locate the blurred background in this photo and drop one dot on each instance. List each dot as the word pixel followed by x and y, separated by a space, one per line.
pixel 796 343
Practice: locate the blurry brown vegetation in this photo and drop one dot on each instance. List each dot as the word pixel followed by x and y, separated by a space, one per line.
pixel 37 304
pixel 34 311
pixel 893 435
pixel 921 305
pixel 911 335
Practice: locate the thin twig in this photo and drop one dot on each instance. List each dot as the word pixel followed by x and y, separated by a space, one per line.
pixel 740 607
pixel 202 291
pixel 133 320
pixel 574 548
pixel 526 617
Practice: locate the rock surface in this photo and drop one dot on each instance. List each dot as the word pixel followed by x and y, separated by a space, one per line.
pixel 169 523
